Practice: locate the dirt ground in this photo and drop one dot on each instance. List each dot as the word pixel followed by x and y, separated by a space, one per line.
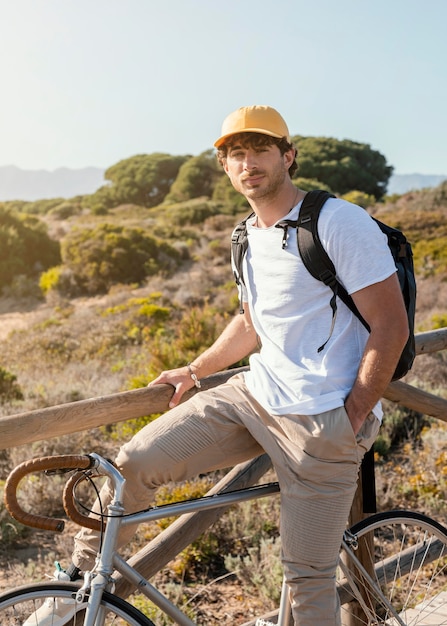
pixel 16 315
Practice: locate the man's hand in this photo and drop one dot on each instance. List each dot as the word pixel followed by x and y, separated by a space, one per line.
pixel 236 341
pixel 179 378
pixel 382 306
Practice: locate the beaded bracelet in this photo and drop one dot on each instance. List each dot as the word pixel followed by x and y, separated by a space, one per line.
pixel 197 382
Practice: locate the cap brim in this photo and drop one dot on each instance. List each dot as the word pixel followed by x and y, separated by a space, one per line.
pixel 261 131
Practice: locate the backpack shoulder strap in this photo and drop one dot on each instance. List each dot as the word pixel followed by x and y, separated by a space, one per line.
pixel 239 245
pixel 313 254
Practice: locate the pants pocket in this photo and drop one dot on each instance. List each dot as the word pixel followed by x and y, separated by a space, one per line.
pixel 368 432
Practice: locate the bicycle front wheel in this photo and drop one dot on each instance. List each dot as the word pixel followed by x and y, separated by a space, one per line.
pixel 20 605
pixel 402 576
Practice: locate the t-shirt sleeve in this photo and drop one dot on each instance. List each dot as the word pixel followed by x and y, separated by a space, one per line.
pixel 355 244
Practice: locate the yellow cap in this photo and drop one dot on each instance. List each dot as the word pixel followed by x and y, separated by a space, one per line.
pixel 254 119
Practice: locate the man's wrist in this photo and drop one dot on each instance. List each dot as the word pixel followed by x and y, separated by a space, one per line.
pixel 193 375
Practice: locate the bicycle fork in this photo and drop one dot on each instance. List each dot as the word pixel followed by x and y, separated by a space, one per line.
pixel 99 579
pixel 94 585
pixel 285 614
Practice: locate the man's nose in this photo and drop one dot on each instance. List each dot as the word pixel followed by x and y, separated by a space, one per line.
pixel 251 161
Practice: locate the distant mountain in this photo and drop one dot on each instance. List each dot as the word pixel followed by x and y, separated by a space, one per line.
pixel 401 183
pixel 18 184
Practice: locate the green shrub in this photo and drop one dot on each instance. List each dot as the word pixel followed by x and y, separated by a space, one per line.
pixel 230 200
pixel 359 197
pixel 430 256
pixel 123 431
pixel 260 569
pixel 439 321
pixel 9 389
pixel 38 207
pixel 399 426
pixel 65 209
pixel 58 279
pixel 25 247
pixel 109 255
pixel 144 316
pixel 10 530
pixel 191 212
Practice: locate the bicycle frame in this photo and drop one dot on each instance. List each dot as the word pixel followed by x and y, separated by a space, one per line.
pixel 108 560
pixel 100 578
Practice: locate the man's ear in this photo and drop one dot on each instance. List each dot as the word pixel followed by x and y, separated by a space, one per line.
pixel 289 157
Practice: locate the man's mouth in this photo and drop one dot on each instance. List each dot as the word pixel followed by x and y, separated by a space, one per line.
pixel 253 179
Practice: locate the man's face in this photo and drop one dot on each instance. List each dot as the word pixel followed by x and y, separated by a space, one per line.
pixel 257 171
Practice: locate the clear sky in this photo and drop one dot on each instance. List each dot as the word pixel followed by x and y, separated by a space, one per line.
pixel 91 82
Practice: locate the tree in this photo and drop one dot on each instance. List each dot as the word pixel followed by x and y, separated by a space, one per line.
pixel 197 177
pixel 144 179
pixel 343 165
pixel 25 247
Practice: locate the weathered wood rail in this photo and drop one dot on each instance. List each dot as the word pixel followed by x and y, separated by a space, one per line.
pixel 78 416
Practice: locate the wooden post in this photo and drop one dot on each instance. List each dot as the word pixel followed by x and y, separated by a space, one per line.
pixel 354 615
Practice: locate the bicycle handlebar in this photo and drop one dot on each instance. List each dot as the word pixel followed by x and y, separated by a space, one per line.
pixel 62 462
pixel 70 508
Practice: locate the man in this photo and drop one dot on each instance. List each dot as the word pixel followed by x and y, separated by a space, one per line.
pixel 314 412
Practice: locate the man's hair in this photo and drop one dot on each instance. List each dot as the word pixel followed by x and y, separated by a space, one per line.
pixel 257 140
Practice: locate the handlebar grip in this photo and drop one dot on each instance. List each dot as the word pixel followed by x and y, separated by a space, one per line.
pixel 70 507
pixel 35 465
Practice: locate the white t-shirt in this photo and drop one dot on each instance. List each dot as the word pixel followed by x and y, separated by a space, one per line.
pixel 291 313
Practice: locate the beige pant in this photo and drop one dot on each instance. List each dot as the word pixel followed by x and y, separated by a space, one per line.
pixel 316 458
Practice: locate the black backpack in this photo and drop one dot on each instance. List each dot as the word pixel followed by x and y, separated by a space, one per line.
pixel 318 263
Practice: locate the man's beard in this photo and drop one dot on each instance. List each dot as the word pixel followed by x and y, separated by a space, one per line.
pixel 269 186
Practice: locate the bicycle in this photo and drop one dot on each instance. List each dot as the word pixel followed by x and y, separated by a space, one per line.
pixel 392 571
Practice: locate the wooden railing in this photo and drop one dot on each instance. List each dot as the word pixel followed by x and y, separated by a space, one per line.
pixel 78 416
pixel 83 415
